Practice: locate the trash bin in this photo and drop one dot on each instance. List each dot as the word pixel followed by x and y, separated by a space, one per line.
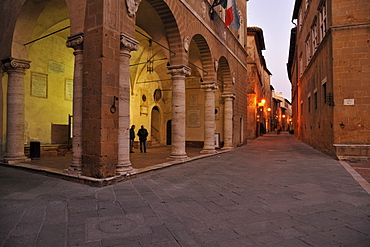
pixel 35 150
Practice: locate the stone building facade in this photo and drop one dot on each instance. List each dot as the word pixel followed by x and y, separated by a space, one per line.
pixel 281 112
pixel 329 67
pixel 107 65
pixel 259 88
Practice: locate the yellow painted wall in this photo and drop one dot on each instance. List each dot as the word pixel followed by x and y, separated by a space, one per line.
pixel 52 58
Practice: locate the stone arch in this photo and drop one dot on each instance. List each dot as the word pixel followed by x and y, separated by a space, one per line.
pixel 156 125
pixel 224 75
pixel 160 32
pixel 224 102
pixel 39 35
pixel 206 57
pixel 167 12
pixel 35 20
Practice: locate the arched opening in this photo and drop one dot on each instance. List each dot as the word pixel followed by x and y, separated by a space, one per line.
pixel 40 36
pixel 150 84
pixel 225 85
pixel 155 126
pixel 199 103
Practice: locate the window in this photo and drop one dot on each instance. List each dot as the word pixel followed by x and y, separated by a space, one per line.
pixel 301 107
pixel 309 103
pixel 314 35
pixel 315 100
pixel 308 49
pixel 300 19
pixel 324 91
pixel 322 20
pixel 307 4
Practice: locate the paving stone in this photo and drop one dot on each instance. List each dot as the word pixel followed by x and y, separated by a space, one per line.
pixel 266 239
pixel 240 242
pixel 289 243
pixel 52 235
pixel 118 242
pixel 217 235
pixel 344 235
pixel 318 240
pixel 20 240
pixel 256 228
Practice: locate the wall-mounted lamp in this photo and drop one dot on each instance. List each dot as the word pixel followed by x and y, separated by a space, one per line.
pixel 269 109
pixel 262 103
pixel 342 125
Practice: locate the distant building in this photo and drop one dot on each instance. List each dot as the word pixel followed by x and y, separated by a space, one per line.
pixel 281 112
pixel 329 68
pixel 259 88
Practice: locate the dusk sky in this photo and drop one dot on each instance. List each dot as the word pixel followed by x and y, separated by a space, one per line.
pixel 274 17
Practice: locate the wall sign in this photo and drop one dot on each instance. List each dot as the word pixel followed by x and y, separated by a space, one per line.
pixel 39 85
pixel 68 90
pixel 349 102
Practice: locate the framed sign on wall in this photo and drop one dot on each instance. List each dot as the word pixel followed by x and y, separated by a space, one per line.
pixel 39 85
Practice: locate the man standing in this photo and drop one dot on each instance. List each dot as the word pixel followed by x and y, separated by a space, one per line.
pixel 132 138
pixel 143 134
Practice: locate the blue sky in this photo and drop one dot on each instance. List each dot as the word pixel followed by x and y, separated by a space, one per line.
pixel 274 17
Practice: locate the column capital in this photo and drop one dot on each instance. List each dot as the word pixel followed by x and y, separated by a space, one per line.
pixel 228 95
pixel 15 64
pixel 75 41
pixel 209 85
pixel 128 43
pixel 178 70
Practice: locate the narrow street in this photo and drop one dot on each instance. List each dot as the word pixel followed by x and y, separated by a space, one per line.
pixel 274 191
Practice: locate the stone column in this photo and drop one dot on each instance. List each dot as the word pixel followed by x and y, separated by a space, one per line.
pixel 178 73
pixel 2 117
pixel 209 117
pixel 128 44
pixel 76 42
pixel 228 120
pixel 15 109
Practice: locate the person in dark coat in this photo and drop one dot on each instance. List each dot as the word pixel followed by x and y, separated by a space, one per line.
pixel 132 138
pixel 142 134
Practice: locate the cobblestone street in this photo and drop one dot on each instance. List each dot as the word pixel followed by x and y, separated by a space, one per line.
pixel 275 191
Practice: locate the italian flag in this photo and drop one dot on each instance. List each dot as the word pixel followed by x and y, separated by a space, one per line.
pixel 229 17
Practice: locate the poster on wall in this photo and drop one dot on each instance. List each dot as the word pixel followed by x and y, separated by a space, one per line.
pixel 39 85
pixel 68 89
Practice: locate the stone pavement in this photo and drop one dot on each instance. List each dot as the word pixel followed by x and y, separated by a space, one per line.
pixel 275 191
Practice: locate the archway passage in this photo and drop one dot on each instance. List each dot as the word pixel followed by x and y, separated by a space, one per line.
pixel 46 91
pixel 155 126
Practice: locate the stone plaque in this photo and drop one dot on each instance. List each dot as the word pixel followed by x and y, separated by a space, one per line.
pixel 56 68
pixel 39 85
pixel 193 118
pixel 68 89
pixel 193 100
